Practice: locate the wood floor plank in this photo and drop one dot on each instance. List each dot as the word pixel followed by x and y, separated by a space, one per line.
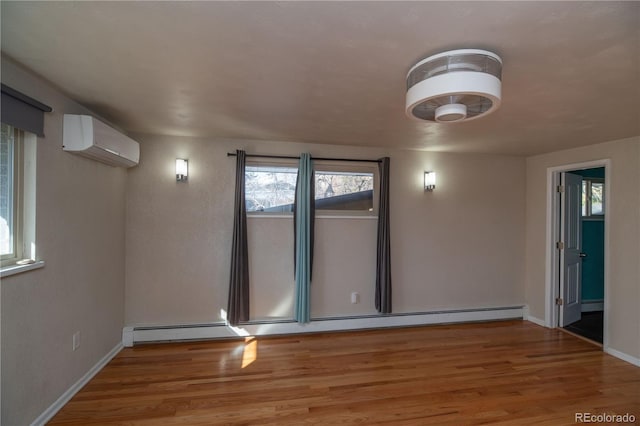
pixel 510 372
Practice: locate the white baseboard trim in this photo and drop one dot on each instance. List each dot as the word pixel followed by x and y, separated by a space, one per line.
pixel 621 355
pixel 69 393
pixel 537 321
pixel 140 334
pixel 592 305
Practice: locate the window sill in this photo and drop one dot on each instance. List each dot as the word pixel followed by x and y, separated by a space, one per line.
pixel 7 271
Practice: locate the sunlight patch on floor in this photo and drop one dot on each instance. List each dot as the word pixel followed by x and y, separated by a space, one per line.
pixel 250 353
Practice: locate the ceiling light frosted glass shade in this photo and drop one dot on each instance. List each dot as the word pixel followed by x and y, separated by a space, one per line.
pixel 451 112
pixel 454 86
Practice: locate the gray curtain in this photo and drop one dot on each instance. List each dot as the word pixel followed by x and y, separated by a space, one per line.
pixel 238 304
pixel 383 260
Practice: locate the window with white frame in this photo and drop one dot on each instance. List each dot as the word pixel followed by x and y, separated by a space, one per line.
pixel 22 122
pixel 345 188
pixel 270 188
pixel 592 198
pixel 17 198
pixel 11 150
pixel 339 188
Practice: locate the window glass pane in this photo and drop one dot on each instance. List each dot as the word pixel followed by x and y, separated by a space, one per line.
pixel 344 190
pixel 585 190
pixel 7 149
pixel 597 192
pixel 270 188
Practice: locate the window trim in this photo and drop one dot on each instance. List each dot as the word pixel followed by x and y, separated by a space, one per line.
pixel 341 166
pixel 282 163
pixel 324 166
pixel 16 269
pixel 25 238
pixel 17 202
pixel 589 181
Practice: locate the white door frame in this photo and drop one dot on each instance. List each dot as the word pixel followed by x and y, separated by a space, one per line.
pixel 552 283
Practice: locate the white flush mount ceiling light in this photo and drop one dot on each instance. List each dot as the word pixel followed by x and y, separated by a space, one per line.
pixel 453 86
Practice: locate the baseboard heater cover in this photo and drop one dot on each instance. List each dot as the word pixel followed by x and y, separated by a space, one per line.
pixel 162 333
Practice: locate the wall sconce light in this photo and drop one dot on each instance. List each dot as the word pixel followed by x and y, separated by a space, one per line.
pixel 429 181
pixel 182 170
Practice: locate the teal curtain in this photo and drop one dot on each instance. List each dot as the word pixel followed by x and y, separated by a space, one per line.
pixel 303 238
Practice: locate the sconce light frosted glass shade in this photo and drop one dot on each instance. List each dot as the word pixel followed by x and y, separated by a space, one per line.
pixel 182 170
pixel 429 181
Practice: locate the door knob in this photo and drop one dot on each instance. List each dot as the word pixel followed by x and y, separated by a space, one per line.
pixel 583 254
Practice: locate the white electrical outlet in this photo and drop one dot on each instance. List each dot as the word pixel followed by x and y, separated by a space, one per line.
pixel 76 340
pixel 355 297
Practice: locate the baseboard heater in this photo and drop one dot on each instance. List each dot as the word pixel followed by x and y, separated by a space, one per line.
pixel 163 333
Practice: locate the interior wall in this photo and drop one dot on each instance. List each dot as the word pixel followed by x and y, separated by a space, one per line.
pixel 623 209
pixel 80 235
pixel 458 247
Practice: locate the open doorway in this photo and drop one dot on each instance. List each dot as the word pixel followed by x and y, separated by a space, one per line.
pixel 588 321
pixel 577 248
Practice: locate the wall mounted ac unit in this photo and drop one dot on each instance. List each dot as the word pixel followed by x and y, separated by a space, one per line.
pixel 89 137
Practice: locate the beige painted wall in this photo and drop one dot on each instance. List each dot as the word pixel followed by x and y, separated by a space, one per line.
pixel 80 235
pixel 458 247
pixel 624 215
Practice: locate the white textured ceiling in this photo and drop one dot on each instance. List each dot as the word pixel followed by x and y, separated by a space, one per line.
pixel 334 72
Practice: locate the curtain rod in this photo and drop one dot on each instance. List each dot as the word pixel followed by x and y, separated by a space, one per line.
pixel 293 157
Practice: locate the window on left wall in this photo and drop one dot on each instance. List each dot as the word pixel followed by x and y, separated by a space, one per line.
pixel 17 195
pixel 10 205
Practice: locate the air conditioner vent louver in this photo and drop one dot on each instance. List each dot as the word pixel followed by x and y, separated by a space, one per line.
pixel 458 85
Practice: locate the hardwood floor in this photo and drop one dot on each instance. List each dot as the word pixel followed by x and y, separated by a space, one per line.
pixel 509 373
